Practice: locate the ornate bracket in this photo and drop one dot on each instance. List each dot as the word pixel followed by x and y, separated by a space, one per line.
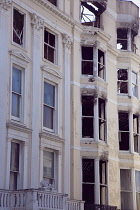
pixel 67 41
pixel 5 4
pixel 37 22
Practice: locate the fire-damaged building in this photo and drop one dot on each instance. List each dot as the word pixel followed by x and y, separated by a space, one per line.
pixel 69 105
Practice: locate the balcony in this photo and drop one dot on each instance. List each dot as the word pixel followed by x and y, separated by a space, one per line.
pixel 37 199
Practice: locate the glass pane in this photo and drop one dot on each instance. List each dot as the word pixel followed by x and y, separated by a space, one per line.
pixel 45 51
pixel 101 108
pixel 48 164
pixel 136 145
pixel 16 105
pixel 126 201
pixel 101 130
pixel 88 170
pixel 125 175
pixel 52 39
pixel 87 127
pixel 134 90
pixel 46 36
pixel 124 140
pixel 87 106
pixel 122 87
pixel 123 122
pixel 134 78
pixel 87 53
pixel 14 164
pixel 51 54
pixel 48 117
pixel 102 172
pixel 16 80
pixel 13 181
pixel 18 26
pixel 53 2
pixel 49 94
pixel 103 195
pixel 135 124
pixel 137 177
pixel 87 67
pixel 122 74
pixel 88 194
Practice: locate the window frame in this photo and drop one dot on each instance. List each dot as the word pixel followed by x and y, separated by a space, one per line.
pixel 134 84
pixel 123 81
pixel 55 111
pixel 54 48
pixel 22 11
pixel 136 134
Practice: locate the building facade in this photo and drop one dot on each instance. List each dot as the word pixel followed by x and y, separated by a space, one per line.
pixel 69 105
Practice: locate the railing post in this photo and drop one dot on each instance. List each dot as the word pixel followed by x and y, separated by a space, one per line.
pixel 65 202
pixel 82 205
pixel 31 202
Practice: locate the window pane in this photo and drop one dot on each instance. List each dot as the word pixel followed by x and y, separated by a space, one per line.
pixel 122 87
pixel 126 201
pixel 49 94
pixel 134 78
pixel 18 26
pixel 51 54
pixel 87 67
pixel 16 80
pixel 134 90
pixel 135 124
pixel 52 39
pixel 137 177
pixel 123 122
pixel 124 140
pixel 13 181
pixel 46 36
pixel 14 164
pixel 88 170
pixel 103 195
pixel 87 106
pixel 48 117
pixel 102 168
pixel 53 2
pixel 87 127
pixel 88 194
pixel 16 105
pixel 87 53
pixel 48 164
pixel 101 108
pixel 122 74
pixel 125 175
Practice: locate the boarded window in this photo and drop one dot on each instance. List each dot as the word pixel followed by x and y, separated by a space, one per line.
pixel 122 83
pixel 87 116
pixel 123 131
pixel 14 166
pixel 18 27
pixel 126 189
pixel 103 182
pixel 49 105
pixel 88 181
pixel 102 120
pixel 49 46
pixel 101 64
pixel 48 167
pixel 136 133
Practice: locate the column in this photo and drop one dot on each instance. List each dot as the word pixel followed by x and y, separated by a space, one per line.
pixel 67 41
pixel 133 188
pixel 4 69
pixel 37 24
pixel 25 164
pixel 97 181
pixel 96 119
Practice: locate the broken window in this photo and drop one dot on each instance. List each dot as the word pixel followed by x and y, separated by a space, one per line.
pixel 125 40
pixel 136 133
pixel 18 27
pixel 123 131
pixel 134 83
pixel 126 189
pixel 49 105
pixel 102 120
pixel 88 183
pixel 103 182
pixel 48 167
pixel 137 183
pixel 53 2
pixel 101 64
pixel 87 60
pixel 49 46
pixel 14 166
pixel 122 83
pixel 87 116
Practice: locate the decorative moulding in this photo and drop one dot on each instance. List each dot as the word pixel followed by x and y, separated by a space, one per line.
pixel 20 55
pixel 5 4
pixel 37 22
pixel 52 71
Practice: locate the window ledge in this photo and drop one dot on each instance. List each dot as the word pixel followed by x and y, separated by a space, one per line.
pixel 18 126
pixel 19 46
pixel 51 136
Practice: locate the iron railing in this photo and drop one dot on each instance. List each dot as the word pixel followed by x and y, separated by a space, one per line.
pixel 99 207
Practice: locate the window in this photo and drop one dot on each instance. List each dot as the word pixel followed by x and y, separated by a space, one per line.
pixel 122 83
pixel 102 120
pixel 125 40
pixel 17 84
pixel 87 116
pixel 88 62
pixel 50 167
pixel 136 133
pixel 137 178
pixel 88 186
pixel 53 2
pixel 103 182
pixel 49 46
pixel 18 27
pixel 123 131
pixel 134 84
pixel 126 189
pixel 49 106
pixel 14 166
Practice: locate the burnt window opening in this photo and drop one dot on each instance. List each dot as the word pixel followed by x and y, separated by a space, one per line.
pixel 18 27
pixel 125 40
pixel 103 182
pixel 101 64
pixel 136 133
pixel 122 83
pixel 87 60
pixel 102 120
pixel 123 131
pixel 126 189
pixel 54 2
pixel 88 182
pixel 87 117
pixel 134 84
pixel 49 46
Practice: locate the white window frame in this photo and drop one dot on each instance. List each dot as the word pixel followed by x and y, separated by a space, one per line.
pixel 55 179
pixel 136 134
pixel 135 84
pixel 21 164
pixel 55 48
pixel 22 11
pixel 55 111
pixel 123 81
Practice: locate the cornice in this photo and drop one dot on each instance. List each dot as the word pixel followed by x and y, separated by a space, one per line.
pixel 129 55
pixel 52 71
pixel 20 55
pixel 55 11
pixel 19 127
pixel 51 137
